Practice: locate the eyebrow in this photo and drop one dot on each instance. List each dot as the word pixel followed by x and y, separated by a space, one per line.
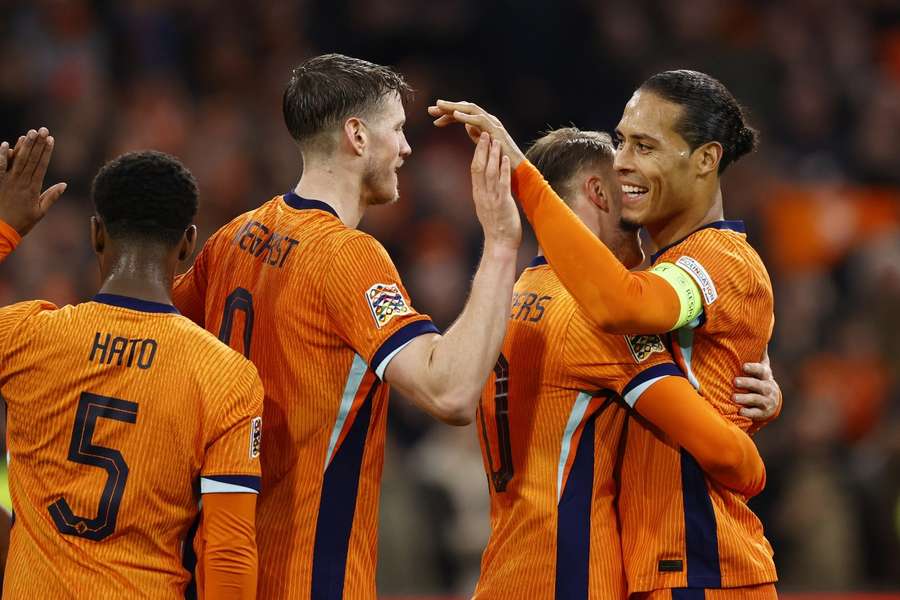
pixel 638 136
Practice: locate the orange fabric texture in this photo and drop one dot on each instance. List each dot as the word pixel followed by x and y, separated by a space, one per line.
pixel 614 298
pixel 226 547
pixel 687 532
pixel 559 377
pixel 725 452
pixel 9 239
pixel 114 414
pixel 318 307
pixel 754 592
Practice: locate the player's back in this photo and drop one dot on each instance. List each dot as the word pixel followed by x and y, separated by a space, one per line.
pixel 111 406
pixel 278 284
pixel 709 537
pixel 550 423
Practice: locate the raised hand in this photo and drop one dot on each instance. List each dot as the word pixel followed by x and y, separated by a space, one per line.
pixel 477 121
pixel 491 191
pixel 22 172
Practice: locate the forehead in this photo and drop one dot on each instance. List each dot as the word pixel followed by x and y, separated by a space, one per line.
pixel 650 115
pixel 391 108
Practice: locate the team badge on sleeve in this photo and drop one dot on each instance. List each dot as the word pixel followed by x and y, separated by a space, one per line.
pixel 642 346
pixel 255 436
pixel 386 302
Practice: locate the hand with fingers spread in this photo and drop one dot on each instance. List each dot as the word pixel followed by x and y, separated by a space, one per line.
pixel 22 172
pixel 491 191
pixel 761 399
pixel 477 121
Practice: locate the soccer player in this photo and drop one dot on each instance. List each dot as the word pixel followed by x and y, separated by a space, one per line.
pixel 121 412
pixel 552 420
pixel 320 309
pixel 708 287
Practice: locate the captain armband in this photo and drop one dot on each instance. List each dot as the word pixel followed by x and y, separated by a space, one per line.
pixel 689 297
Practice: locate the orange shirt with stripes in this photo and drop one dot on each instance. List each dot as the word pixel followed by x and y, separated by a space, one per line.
pixel 120 413
pixel 679 528
pixel 320 309
pixel 550 423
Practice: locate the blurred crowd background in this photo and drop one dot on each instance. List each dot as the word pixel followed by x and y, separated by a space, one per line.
pixel 820 78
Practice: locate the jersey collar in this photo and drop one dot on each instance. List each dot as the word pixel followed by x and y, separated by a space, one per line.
pixel 730 225
pixel 537 261
pixel 300 203
pixel 134 303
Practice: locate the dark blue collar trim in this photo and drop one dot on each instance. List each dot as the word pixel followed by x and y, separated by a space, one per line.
pixel 538 261
pixel 730 225
pixel 295 201
pixel 134 303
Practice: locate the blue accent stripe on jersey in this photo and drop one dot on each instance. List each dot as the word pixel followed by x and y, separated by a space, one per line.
pixel 700 532
pixel 537 261
pixel 688 594
pixel 337 508
pixel 230 484
pixel 573 528
pixel 300 203
pixel 134 303
pixel 581 403
pixel 729 225
pixel 648 376
pixel 354 378
pixel 398 339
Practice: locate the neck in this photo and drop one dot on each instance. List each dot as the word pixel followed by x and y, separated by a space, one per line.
pixel 129 275
pixel 683 224
pixel 336 187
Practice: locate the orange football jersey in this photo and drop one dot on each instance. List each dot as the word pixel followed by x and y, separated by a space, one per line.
pixel 551 423
pixel 120 413
pixel 680 529
pixel 320 309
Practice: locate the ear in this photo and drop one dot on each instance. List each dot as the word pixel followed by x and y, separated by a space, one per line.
pixel 707 158
pixel 98 234
pixel 188 242
pixel 356 134
pixel 594 190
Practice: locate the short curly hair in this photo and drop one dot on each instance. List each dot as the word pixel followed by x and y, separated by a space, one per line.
pixel 147 196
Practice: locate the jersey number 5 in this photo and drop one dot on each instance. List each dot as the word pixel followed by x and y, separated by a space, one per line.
pixel 81 450
pixel 500 476
pixel 238 300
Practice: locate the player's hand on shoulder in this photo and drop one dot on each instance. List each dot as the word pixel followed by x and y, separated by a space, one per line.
pixel 761 397
pixel 22 171
pixel 477 121
pixel 491 190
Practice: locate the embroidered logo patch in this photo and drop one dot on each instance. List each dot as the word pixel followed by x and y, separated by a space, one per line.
pixel 642 346
pixel 386 302
pixel 704 281
pixel 255 436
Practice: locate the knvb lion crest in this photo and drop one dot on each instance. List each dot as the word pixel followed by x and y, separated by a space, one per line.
pixel 255 436
pixel 386 302
pixel 642 346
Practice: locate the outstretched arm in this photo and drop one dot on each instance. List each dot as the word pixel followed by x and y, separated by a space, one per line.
pixel 616 299
pixel 723 451
pixel 445 374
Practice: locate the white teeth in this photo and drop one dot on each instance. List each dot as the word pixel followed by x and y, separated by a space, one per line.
pixel 631 189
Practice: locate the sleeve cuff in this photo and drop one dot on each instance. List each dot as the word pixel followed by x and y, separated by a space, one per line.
pixel 641 382
pixel 9 234
pixel 398 341
pixel 230 484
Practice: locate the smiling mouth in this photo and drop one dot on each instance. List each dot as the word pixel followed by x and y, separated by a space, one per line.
pixel 634 193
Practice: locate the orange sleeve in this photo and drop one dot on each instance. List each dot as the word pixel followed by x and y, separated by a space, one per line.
pixel 725 453
pixel 227 564
pixel 189 289
pixel 616 299
pixel 9 239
